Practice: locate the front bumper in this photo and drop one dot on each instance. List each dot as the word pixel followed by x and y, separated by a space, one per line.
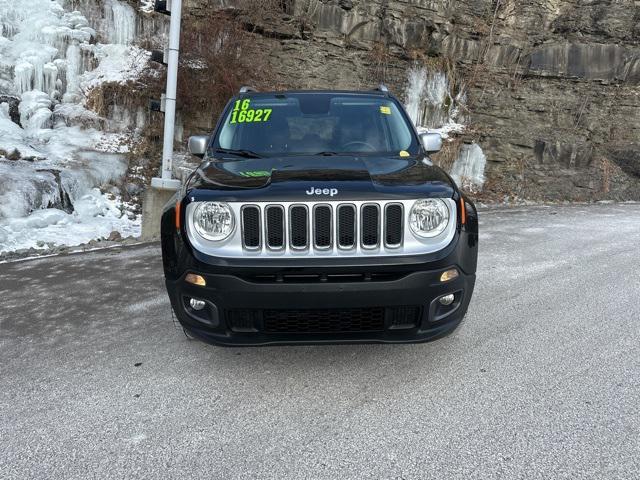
pixel 241 312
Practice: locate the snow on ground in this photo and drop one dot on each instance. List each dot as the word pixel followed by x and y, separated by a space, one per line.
pixel 58 167
pixel 95 215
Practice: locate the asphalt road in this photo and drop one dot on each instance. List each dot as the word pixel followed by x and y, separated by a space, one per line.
pixel 542 381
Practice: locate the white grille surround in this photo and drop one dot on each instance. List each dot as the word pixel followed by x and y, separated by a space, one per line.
pixel 319 245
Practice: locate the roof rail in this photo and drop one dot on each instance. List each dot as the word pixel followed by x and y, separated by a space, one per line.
pixel 246 89
pixel 382 88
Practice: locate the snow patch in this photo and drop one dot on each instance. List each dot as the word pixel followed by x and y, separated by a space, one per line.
pixel 147 6
pixel 118 63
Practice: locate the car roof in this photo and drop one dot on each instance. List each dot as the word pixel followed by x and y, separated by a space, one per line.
pixel 374 93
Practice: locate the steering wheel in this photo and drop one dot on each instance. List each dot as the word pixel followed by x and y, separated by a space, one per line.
pixel 367 146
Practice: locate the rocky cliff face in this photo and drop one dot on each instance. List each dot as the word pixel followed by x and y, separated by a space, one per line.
pixel 552 86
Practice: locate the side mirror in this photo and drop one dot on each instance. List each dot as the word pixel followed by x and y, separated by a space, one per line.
pixel 432 142
pixel 198 145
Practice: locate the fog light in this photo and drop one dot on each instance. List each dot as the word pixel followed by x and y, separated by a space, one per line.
pixel 449 275
pixel 195 279
pixel 197 304
pixel 444 300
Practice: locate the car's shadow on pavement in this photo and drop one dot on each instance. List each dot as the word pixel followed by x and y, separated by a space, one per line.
pixel 358 364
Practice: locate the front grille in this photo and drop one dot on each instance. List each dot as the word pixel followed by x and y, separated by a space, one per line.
pixel 321 228
pixel 296 228
pixel 323 320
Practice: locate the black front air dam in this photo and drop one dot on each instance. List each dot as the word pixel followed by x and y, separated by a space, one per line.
pixel 226 295
pixel 230 294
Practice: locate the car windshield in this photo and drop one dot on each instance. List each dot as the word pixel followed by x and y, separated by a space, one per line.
pixel 315 124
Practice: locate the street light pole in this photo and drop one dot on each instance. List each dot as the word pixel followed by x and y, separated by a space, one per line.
pixel 166 181
pixel 164 188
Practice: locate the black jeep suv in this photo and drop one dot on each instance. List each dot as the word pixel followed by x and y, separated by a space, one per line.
pixel 318 217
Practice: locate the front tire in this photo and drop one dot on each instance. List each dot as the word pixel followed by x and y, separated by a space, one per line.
pixel 188 334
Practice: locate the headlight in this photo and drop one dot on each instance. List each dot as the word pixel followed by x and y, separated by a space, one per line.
pixel 213 221
pixel 429 218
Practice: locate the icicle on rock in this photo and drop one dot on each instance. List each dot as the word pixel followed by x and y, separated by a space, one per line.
pixel 429 101
pixel 120 22
pixel 468 169
pixel 72 73
pixel 35 112
pixel 23 76
pixel 414 93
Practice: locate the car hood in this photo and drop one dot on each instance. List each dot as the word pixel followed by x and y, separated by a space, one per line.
pixel 322 177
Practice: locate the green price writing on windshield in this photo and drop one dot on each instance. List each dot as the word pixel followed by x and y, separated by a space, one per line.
pixel 243 114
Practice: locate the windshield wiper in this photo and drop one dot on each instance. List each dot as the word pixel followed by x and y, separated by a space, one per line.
pixel 240 153
pixel 327 154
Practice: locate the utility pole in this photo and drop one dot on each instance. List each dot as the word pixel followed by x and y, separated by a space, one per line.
pixel 174 9
pixel 163 188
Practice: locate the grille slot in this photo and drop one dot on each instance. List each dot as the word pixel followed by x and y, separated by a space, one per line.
pixel 251 227
pixel 299 227
pixel 338 320
pixel 347 226
pixel 370 225
pixel 322 226
pixel 393 217
pixel 275 226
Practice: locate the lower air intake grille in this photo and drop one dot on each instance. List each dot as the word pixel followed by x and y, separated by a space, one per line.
pixel 399 318
pixel 324 320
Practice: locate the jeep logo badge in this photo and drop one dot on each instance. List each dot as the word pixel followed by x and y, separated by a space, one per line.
pixel 322 191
